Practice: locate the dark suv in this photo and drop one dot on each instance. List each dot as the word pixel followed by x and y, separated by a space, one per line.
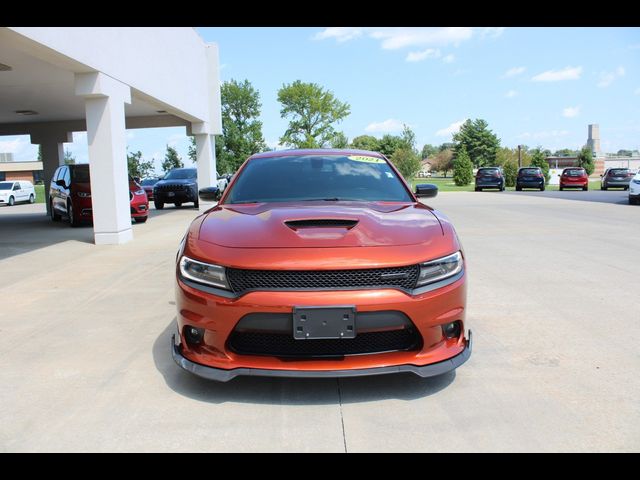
pixel 489 177
pixel 178 186
pixel 530 177
pixel 616 178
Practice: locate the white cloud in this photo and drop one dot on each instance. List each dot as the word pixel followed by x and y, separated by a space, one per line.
pixel 451 129
pixel 449 58
pixel 392 38
pixel 544 134
pixel 607 78
pixel 567 73
pixel 492 32
pixel 571 112
pixel 388 126
pixel 512 72
pixel 423 55
pixel 12 146
pixel 511 94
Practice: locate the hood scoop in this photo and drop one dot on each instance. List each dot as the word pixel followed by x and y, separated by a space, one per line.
pixel 321 223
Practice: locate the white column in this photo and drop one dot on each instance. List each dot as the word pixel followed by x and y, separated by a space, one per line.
pixel 206 155
pixel 52 149
pixel 106 135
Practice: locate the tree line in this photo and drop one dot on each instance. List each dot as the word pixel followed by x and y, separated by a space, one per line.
pixel 313 113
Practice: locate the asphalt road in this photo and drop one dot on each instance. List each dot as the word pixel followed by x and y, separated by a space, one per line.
pixel 553 304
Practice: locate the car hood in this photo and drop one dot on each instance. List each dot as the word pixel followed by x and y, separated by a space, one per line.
pixel 270 225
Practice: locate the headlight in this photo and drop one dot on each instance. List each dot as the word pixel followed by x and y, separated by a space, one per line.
pixel 139 192
pixel 205 273
pixel 84 194
pixel 440 269
pixel 637 182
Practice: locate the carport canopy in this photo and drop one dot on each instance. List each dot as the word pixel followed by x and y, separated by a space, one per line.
pixel 55 81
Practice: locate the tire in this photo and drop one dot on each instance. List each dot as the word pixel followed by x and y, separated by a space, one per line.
pixel 55 217
pixel 178 204
pixel 32 199
pixel 196 204
pixel 477 189
pixel 561 188
pixel 70 212
pixel 542 188
pixel 585 188
pixel 158 205
pixel 140 219
pixel 604 188
pixel 11 202
pixel 518 189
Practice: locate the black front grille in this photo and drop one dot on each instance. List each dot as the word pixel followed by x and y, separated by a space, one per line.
pixel 284 345
pixel 395 277
pixel 170 188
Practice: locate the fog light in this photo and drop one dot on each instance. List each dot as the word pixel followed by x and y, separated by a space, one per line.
pixel 453 329
pixel 193 335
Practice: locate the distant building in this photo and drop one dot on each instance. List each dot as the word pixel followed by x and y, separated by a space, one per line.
pixel 31 171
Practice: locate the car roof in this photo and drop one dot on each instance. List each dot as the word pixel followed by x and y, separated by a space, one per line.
pixel 315 151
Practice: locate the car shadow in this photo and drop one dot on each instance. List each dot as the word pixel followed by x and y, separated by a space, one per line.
pixel 291 391
pixel 617 197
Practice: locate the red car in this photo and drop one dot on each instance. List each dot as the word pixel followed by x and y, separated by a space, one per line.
pixel 574 177
pixel 320 263
pixel 147 185
pixel 70 196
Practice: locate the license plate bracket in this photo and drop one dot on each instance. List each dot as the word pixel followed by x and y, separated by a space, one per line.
pixel 315 323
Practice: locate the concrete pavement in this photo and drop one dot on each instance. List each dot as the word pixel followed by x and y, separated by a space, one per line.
pixel 85 363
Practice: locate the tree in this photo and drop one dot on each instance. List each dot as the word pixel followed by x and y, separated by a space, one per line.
pixel 625 153
pixel 138 167
pixel 312 112
pixel 171 160
pixel 69 159
pixel 447 146
pixel 510 170
pixel 366 142
pixel 407 162
pixel 442 161
pixel 389 144
pixel 565 152
pixel 429 150
pixel 585 160
pixel 241 129
pixel 480 143
pixel 339 140
pixel 538 159
pixel 192 153
pixel 504 155
pixel 462 168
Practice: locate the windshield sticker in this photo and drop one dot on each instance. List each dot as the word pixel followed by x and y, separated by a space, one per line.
pixel 364 158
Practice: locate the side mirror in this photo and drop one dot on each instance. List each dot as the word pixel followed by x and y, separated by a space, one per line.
pixel 61 183
pixel 426 190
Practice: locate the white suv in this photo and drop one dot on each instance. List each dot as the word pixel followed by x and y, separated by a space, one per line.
pixel 12 192
pixel 634 189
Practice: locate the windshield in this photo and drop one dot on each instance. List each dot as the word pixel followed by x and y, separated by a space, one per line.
pixel 181 174
pixel 148 181
pixel 488 171
pixel 6 185
pixel 80 174
pixel 529 171
pixel 318 177
pixel 576 172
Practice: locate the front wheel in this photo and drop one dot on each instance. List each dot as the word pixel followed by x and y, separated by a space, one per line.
pixel 140 219
pixel 585 188
pixel 32 199
pixel 561 188
pixel 604 188
pixel 542 188
pixel 478 189
pixel 518 189
pixel 196 204
pixel 73 223
pixel 12 201
pixel 158 205
pixel 54 216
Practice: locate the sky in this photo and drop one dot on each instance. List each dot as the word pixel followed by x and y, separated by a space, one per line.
pixel 534 86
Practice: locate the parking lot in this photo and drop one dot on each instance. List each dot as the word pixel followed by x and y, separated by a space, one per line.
pixel 85 363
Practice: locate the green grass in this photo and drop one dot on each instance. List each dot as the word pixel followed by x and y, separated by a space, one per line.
pixel 447 185
pixel 39 193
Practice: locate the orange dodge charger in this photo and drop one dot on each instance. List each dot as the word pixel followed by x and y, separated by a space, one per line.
pixel 320 263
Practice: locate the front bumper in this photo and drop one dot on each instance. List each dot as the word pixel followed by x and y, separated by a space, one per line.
pixel 222 375
pixel 178 196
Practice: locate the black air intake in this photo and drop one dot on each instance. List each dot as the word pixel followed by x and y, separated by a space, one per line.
pixel 321 222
